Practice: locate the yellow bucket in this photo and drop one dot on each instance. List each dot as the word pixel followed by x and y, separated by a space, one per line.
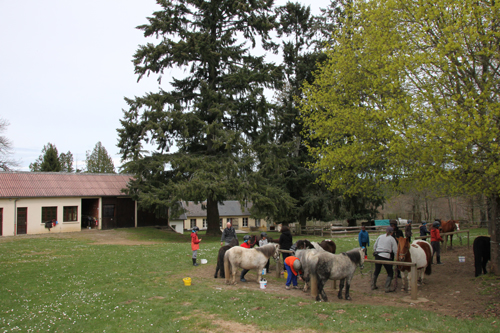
pixel 285 275
pixel 187 281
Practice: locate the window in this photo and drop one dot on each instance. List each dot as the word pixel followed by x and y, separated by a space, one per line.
pixel 229 220
pixel 245 221
pixel 49 214
pixel 257 222
pixel 70 213
pixel 174 226
pixel 204 223
pixel 220 223
pixel 193 223
pixel 108 211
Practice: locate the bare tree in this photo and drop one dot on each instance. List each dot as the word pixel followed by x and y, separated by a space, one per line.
pixel 6 162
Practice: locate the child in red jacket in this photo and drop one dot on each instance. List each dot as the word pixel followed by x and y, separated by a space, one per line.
pixel 195 244
pixel 435 242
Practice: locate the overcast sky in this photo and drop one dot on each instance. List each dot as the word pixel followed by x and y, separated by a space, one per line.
pixel 65 69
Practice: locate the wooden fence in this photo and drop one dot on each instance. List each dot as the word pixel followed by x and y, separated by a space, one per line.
pixel 446 238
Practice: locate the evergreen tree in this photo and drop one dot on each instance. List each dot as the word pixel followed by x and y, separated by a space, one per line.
pixel 51 161
pixel 99 161
pixel 214 117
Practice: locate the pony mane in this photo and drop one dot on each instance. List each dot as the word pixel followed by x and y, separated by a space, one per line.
pixel 268 250
pixel 353 255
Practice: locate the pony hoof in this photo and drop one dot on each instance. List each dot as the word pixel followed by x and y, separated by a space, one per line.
pixel 340 297
pixel 318 299
pixel 348 298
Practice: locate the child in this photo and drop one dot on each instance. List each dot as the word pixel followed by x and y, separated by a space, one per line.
pixel 246 246
pixel 423 230
pixel 195 244
pixel 435 239
pixel 263 241
pixel 364 239
pixel 293 267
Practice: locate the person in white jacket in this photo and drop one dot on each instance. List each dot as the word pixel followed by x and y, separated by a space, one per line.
pixel 385 245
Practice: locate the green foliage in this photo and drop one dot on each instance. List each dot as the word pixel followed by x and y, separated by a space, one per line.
pixel 51 161
pixel 213 118
pixel 99 161
pixel 409 94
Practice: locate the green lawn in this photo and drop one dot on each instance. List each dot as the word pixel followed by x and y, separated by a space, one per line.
pixel 60 285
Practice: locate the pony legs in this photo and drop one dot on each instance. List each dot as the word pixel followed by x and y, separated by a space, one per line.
pixel 341 286
pixel 347 282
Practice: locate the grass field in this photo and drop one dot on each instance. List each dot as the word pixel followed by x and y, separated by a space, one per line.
pixel 63 284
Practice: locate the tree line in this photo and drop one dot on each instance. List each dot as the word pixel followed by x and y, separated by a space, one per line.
pixel 97 161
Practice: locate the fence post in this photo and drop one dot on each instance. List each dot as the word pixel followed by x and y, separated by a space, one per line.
pixel 278 269
pixel 414 282
pixel 468 239
pixel 314 285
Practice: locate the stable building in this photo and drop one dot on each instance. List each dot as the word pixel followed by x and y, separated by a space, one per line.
pixel 29 201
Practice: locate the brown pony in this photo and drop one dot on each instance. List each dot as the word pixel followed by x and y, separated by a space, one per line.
pixel 450 226
pixel 419 252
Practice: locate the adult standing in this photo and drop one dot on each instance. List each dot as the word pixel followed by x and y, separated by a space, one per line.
pixel 396 231
pixel 408 232
pixel 364 239
pixel 384 249
pixel 228 234
pixel 435 242
pixel 285 242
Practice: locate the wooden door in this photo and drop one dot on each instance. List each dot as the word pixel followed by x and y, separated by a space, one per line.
pixel 1 221
pixel 22 220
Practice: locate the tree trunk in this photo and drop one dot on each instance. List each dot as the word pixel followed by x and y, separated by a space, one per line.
pixel 495 233
pixel 213 227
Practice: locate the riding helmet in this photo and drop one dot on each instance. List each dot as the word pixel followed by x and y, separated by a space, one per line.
pixel 195 229
pixel 263 234
pixel 297 266
pixel 246 238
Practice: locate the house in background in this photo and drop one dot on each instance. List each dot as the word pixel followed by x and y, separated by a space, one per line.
pixel 229 211
pixel 30 199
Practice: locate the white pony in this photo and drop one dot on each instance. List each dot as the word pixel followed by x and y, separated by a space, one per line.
pixel 255 258
pixel 419 252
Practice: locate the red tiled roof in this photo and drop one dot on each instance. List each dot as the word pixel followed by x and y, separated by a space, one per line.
pixel 55 184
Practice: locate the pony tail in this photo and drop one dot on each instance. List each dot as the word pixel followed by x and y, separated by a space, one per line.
pixel 428 269
pixel 227 268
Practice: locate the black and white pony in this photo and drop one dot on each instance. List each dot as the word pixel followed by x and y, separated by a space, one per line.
pixel 326 266
pixel 255 258
pixel 482 254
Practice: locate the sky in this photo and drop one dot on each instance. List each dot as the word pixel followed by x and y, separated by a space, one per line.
pixel 65 68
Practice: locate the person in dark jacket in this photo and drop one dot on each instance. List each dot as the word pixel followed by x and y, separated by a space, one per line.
pixel 364 239
pixel 228 234
pixel 397 232
pixel 423 230
pixel 285 242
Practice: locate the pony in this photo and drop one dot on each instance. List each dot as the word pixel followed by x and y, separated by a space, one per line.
pixel 325 245
pixel 328 245
pixel 328 266
pixel 450 226
pixel 419 252
pixel 255 258
pixel 220 257
pixel 482 253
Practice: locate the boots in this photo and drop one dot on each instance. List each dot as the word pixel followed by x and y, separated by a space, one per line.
pixel 194 262
pixel 388 285
pixel 438 260
pixel 374 282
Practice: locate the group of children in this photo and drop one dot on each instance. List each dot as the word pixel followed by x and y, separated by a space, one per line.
pixel 292 264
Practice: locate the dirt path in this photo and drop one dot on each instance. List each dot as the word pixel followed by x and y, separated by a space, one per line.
pixel 451 289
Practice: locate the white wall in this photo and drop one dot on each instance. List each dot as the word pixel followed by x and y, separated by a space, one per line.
pixel 34 208
pixel 177 225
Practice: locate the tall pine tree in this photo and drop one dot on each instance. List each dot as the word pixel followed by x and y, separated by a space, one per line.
pixel 99 161
pixel 204 129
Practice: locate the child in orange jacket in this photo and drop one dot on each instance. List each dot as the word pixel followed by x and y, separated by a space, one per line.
pixel 195 244
pixel 435 242
pixel 293 267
